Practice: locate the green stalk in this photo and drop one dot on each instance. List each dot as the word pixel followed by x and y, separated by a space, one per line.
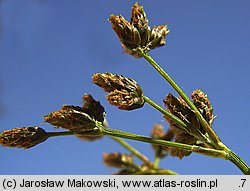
pixel 93 132
pixel 133 150
pixel 155 172
pixel 214 137
pixel 63 133
pixel 201 150
pixel 226 154
pixel 239 162
pixel 157 161
pixel 233 157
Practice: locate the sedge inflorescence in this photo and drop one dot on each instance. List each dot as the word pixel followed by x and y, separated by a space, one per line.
pixel 137 33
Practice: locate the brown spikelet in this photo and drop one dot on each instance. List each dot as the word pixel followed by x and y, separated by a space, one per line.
pixel 93 108
pixel 202 102
pixel 158 36
pixel 83 120
pixel 140 21
pixel 179 108
pixel 124 92
pixel 128 34
pixel 137 33
pixel 24 137
pixel 76 118
pixel 73 118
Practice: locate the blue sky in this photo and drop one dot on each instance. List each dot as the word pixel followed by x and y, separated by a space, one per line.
pixel 50 49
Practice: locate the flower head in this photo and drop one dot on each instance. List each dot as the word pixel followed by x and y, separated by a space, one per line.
pixel 179 108
pixel 124 92
pixel 93 108
pixel 127 33
pixel 24 137
pixel 137 33
pixel 70 117
pixel 76 118
pixel 158 36
pixel 140 22
pixel 96 110
pixel 202 102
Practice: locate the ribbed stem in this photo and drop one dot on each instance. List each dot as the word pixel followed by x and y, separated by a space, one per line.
pixel 93 132
pixel 239 162
pixel 63 133
pixel 224 154
pixel 193 148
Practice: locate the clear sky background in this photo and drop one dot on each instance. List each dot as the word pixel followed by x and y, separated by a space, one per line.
pixel 50 49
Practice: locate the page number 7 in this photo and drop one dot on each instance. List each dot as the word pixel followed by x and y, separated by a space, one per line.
pixel 243 182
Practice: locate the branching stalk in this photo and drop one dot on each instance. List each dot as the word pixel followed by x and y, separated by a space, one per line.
pixel 214 137
pixel 201 150
pixel 226 154
pixel 233 157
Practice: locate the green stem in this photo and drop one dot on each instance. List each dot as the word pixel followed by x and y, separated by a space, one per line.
pixel 157 161
pixel 239 162
pixel 63 133
pixel 233 157
pixel 226 154
pixel 155 172
pixel 214 137
pixel 201 150
pixel 93 132
pixel 133 150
